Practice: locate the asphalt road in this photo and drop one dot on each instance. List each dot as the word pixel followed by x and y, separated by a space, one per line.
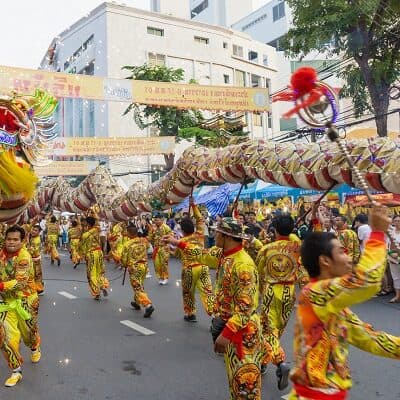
pixel 87 353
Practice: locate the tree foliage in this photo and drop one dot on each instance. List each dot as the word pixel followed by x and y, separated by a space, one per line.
pixel 367 32
pixel 167 119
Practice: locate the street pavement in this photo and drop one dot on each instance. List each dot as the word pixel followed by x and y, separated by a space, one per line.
pixel 87 353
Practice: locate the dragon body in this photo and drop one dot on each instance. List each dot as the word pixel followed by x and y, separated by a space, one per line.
pixel 305 165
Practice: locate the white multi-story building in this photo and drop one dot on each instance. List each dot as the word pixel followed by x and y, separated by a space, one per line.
pixel 113 35
pixel 219 12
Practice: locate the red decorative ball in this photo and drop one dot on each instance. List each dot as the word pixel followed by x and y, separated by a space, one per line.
pixel 303 80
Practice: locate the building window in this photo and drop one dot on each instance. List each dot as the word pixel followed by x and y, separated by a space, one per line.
pixel 277 43
pixel 255 81
pixel 278 11
pixel 197 10
pixel 257 119
pixel 155 5
pixel 237 50
pixel 255 22
pixel 240 78
pixel 201 40
pixel 156 59
pixel 155 31
pixel 265 60
pixel 225 45
pixel 226 78
pixel 91 132
pixel 253 56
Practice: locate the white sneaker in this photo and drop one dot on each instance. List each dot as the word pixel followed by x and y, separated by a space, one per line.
pixel 164 282
pixel 149 275
pixel 161 282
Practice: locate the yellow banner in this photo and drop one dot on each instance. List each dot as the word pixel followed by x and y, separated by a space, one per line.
pixel 201 97
pixel 226 98
pixel 117 146
pixel 61 168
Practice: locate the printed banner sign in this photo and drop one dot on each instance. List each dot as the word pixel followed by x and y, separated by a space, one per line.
pixel 226 98
pixel 62 168
pixel 117 146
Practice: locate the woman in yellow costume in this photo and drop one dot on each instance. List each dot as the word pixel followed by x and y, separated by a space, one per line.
pixel 113 237
pixel 53 230
pixel 34 248
pixel 123 238
pixel 74 234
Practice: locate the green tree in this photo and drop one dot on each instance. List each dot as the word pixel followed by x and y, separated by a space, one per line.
pixel 169 120
pixel 365 31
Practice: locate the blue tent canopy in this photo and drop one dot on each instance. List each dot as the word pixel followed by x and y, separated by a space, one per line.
pixel 216 200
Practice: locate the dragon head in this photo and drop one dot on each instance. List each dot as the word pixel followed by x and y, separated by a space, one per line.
pixel 26 125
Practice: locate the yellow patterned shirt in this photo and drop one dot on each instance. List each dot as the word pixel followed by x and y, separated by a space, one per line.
pixel 135 252
pixel 236 286
pixel 16 275
pixel 325 325
pixel 157 233
pixel 74 233
pixel 278 262
pixel 53 228
pixel 90 241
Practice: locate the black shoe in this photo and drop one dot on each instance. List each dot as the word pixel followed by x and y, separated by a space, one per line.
pixel 148 311
pixel 104 291
pixel 190 318
pixel 75 265
pixel 263 369
pixel 135 305
pixel 52 262
pixel 97 297
pixel 58 262
pixel 282 373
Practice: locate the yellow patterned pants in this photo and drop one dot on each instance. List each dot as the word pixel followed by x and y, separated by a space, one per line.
pixel 192 278
pixel 95 271
pixel 137 275
pixel 52 247
pixel 277 305
pixel 74 252
pixel 116 253
pixel 13 327
pixel 160 259
pixel 244 375
pixel 37 265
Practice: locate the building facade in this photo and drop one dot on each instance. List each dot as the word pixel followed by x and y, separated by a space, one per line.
pixel 113 35
pixel 219 12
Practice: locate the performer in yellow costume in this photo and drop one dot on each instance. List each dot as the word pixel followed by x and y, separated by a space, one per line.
pixel 348 238
pixel 279 269
pixel 53 230
pixel 194 274
pixel 161 250
pixel 90 247
pixel 325 325
pixel 123 238
pixel 34 248
pixel 20 303
pixel 113 237
pixel 236 327
pixel 74 234
pixel 134 257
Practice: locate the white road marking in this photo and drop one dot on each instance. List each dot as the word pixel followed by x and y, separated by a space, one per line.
pixel 137 327
pixel 67 295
